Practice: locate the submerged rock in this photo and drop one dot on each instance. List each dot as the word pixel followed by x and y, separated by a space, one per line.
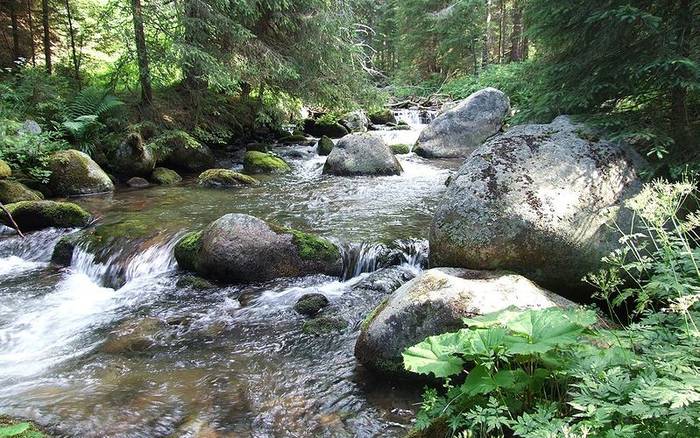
pixel 134 335
pixel 435 302
pixel 194 282
pixel 457 132
pixel 323 325
pixel 63 251
pixel 296 139
pixel 5 171
pixel 181 151
pixel 540 200
pixel 361 154
pixel 387 280
pixel 74 173
pixel 260 162
pixel 242 248
pixel 137 183
pixel 225 178
pixel 325 146
pixel 37 215
pixel 14 191
pixel 382 117
pixel 311 304
pixel 132 157
pixel 319 128
pixel 165 177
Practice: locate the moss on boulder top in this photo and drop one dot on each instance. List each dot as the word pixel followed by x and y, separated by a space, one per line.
pixel 181 151
pixel 13 191
pixel 382 117
pixel 36 215
pixel 399 149
pixel 5 171
pixel 261 162
pixel 225 178
pixel 312 247
pixel 325 145
pixel 165 177
pixel 74 173
pixel 187 248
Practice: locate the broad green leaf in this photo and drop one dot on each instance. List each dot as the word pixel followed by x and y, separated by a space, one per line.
pixel 481 381
pixel 13 430
pixel 437 354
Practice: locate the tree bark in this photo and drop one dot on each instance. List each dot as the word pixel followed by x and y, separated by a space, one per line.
pixel 47 34
pixel 15 34
pixel 487 36
pixel 517 40
pixel 71 32
pixel 142 55
pixel 501 30
pixel 31 31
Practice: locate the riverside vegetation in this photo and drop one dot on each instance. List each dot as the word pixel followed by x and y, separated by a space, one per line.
pixel 274 218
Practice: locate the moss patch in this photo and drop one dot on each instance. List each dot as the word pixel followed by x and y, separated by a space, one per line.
pixel 373 314
pixel 311 304
pixel 187 249
pixel 5 171
pixel 400 148
pixel 225 178
pixel 324 325
pixel 36 215
pixel 165 177
pixel 10 427
pixel 325 146
pixel 313 247
pixel 382 117
pixel 261 162
pixel 13 191
pixel 294 138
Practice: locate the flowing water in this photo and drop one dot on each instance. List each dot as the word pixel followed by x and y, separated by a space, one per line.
pixel 231 361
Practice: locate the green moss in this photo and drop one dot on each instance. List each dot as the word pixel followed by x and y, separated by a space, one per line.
pixel 313 247
pixel 373 314
pixel 382 117
pixel 11 427
pixel 295 138
pixel 324 325
pixel 325 146
pixel 400 148
pixel 187 249
pixel 63 251
pixel 75 173
pixel 311 304
pixel 5 171
pixel 13 191
pixel 260 162
pixel 36 215
pixel 225 178
pixel 165 177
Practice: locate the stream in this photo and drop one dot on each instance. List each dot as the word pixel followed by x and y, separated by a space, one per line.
pixel 235 362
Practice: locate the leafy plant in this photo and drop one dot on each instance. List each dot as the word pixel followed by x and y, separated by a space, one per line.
pixel 27 152
pixel 85 117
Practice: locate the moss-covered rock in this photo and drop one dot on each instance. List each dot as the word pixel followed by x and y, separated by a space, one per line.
pixel 74 173
pixel 382 117
pixel 181 151
pixel 294 139
pixel 132 157
pixel 63 251
pixel 187 248
pixel 18 428
pixel 260 162
pixel 225 178
pixel 36 215
pixel 399 149
pixel 325 145
pixel 165 177
pixel 5 171
pixel 194 282
pixel 313 248
pixel 310 304
pixel 319 128
pixel 324 325
pixel 13 191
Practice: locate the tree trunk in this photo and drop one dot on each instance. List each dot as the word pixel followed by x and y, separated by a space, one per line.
pixel 31 31
pixel 47 34
pixel 71 32
pixel 517 40
pixel 142 55
pixel 679 93
pixel 16 55
pixel 501 30
pixel 487 36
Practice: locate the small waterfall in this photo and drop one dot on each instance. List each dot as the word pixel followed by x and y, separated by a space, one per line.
pixel 359 258
pixel 415 117
pixel 18 255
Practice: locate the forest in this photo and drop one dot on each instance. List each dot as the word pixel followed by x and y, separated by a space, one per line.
pixel 349 218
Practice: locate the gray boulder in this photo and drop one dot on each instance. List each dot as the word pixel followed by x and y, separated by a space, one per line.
pixel 240 248
pixel 74 173
pixel 133 158
pixel 355 121
pixel 361 154
pixel 435 302
pixel 540 200
pixel 460 130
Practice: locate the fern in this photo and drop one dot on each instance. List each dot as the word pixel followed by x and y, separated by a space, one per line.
pixel 92 101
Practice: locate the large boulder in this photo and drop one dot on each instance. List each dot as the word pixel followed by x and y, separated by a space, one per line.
pixel 240 248
pixel 132 157
pixel 435 302
pixel 5 170
pixel 355 121
pixel 37 215
pixel 319 128
pixel 362 154
pixel 165 177
pixel 179 150
pixel 382 117
pixel 14 191
pixel 261 162
pixel 457 132
pixel 74 173
pixel 540 200
pixel 224 178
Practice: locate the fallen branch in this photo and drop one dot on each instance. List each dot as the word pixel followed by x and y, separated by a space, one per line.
pixel 14 224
